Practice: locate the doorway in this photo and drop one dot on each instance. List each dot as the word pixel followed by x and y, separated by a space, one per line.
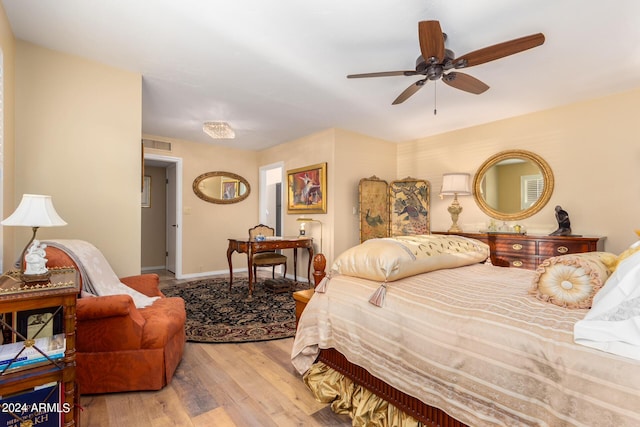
pixel 271 196
pixel 161 240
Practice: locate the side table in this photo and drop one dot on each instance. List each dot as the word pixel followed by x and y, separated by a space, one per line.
pixel 302 298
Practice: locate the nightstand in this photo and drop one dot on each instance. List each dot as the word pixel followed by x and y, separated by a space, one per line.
pixel 302 298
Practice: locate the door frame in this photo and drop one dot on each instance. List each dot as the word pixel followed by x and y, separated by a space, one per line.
pixel 262 202
pixel 262 198
pixel 168 160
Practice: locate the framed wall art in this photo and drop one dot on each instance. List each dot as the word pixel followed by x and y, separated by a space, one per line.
pixel 409 207
pixel 374 208
pixel 307 189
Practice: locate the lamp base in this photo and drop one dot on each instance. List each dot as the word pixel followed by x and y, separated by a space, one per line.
pixel 455 210
pixel 455 229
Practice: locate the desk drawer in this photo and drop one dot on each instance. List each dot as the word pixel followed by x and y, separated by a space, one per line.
pixel 270 246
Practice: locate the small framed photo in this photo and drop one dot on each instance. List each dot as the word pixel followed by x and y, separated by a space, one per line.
pixel 229 188
pixel 307 189
pixel 146 192
pixel 39 323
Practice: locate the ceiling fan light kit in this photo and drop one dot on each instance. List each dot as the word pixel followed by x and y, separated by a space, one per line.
pixel 435 61
pixel 218 130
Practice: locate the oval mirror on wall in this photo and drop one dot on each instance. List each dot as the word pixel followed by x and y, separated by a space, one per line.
pixel 221 187
pixel 512 185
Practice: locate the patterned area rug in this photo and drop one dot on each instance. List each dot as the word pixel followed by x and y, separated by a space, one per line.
pixel 217 315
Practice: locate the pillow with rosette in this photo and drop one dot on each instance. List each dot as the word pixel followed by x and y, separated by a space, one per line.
pixel 572 280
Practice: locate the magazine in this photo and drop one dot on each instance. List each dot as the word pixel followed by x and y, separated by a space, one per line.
pixel 53 346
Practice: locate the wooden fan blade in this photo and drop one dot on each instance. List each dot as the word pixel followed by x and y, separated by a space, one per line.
pixel 383 74
pixel 499 50
pixel 409 91
pixel 465 82
pixel 431 41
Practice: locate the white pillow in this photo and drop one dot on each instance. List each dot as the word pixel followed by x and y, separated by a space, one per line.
pixel 613 323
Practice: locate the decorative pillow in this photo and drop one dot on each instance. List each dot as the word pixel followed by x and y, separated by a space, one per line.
pixel 389 259
pixel 572 280
pixel 627 253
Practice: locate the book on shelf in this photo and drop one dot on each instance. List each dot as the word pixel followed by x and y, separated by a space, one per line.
pixel 17 354
pixel 43 406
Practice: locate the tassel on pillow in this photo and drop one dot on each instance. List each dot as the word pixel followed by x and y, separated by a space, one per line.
pixel 377 298
pixel 322 286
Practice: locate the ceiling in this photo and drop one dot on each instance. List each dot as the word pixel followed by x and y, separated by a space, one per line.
pixel 276 70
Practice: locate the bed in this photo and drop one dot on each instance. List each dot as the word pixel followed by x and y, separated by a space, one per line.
pixel 464 344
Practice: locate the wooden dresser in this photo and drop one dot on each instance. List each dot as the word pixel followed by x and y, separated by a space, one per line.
pixel 524 251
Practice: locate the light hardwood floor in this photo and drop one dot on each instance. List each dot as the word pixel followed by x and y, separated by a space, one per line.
pixel 249 384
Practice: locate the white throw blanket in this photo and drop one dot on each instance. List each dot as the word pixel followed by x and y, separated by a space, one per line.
pixel 613 323
pixel 98 278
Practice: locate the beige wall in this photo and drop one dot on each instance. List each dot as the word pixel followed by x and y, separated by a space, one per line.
pixel 592 148
pixel 357 156
pixel 306 151
pixel 78 126
pixel 207 226
pixel 7 44
pixel 349 158
pixel 154 220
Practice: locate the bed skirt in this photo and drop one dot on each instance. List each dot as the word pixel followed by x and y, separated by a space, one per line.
pixel 346 396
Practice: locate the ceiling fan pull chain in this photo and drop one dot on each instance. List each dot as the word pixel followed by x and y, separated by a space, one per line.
pixel 435 98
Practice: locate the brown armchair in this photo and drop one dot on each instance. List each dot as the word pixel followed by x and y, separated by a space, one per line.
pixel 120 347
pixel 267 258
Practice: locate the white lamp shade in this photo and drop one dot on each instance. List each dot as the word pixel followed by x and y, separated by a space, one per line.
pixel 34 210
pixel 456 183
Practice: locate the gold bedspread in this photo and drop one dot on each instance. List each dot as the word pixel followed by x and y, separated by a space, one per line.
pixel 472 342
pixel 349 398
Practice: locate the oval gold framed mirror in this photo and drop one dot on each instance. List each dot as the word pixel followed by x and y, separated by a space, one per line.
pixel 221 187
pixel 512 185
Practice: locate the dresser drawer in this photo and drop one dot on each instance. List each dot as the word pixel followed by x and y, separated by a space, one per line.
pixel 515 247
pixel 549 249
pixel 511 260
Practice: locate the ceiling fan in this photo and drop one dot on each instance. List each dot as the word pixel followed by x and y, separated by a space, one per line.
pixel 435 61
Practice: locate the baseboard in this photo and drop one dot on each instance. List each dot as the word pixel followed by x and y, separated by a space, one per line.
pixel 226 272
pixel 157 267
pixel 211 273
pixel 300 279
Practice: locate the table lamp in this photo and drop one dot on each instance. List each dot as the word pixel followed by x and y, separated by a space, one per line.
pixel 454 184
pixel 34 211
pixel 304 220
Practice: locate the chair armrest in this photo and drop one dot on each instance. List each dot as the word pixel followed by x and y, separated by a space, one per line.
pixel 108 323
pixel 144 283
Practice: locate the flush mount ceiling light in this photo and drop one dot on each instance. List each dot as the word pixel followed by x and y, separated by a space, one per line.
pixel 218 130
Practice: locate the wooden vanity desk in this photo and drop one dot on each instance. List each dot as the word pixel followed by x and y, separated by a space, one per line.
pixel 252 246
pixel 528 251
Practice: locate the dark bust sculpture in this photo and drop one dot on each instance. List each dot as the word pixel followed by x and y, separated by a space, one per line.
pixel 564 224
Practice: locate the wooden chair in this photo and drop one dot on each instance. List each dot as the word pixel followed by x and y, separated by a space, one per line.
pixel 268 258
